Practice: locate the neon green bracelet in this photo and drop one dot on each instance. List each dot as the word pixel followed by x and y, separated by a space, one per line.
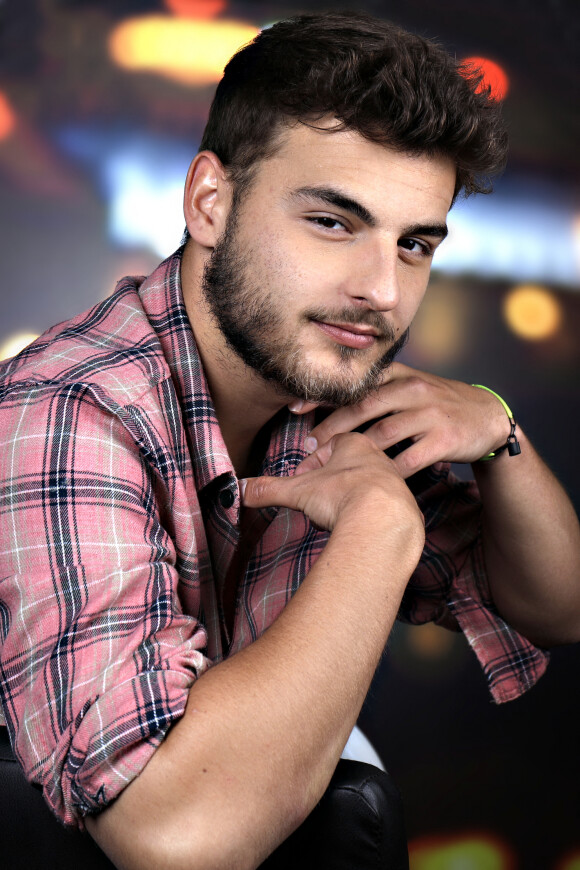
pixel 512 444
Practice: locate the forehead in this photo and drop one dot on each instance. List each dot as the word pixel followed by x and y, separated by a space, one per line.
pixel 374 174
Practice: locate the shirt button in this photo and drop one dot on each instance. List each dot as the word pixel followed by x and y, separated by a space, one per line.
pixel 227 498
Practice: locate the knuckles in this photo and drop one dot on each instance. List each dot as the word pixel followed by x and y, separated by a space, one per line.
pixel 388 429
pixel 258 489
pixel 355 441
pixel 418 385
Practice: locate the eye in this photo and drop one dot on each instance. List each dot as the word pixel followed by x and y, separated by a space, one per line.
pixel 327 223
pixel 416 246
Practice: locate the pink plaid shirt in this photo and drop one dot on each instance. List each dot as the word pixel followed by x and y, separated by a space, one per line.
pixel 120 526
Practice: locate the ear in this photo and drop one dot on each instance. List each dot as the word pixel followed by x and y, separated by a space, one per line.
pixel 207 199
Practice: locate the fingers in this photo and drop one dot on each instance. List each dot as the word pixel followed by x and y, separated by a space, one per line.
pixel 261 492
pixel 345 470
pixel 348 479
pixel 283 491
pixel 300 407
pixel 402 393
pixel 317 459
pixel 346 419
pixel 420 454
pixel 446 420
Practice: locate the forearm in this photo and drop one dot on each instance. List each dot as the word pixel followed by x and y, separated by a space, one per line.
pixel 530 531
pixel 531 541
pixel 263 730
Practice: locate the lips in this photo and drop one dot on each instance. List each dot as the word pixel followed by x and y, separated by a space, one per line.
pixel 355 335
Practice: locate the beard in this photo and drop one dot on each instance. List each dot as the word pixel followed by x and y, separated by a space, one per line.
pixel 251 320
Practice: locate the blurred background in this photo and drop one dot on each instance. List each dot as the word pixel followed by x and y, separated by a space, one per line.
pixel 102 105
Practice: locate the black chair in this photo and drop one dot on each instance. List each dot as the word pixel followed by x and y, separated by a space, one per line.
pixel 358 824
pixel 30 836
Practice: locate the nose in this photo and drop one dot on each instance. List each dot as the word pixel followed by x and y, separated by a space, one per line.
pixel 376 280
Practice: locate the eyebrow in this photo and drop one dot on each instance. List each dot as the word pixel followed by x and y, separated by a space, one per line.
pixel 334 197
pixel 437 231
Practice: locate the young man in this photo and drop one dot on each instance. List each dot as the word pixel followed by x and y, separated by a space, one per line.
pixel 171 503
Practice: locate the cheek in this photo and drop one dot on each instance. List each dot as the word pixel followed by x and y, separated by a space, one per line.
pixel 268 252
pixel 411 297
pixel 290 273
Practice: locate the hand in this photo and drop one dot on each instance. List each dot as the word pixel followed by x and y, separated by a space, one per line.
pixel 349 474
pixel 445 420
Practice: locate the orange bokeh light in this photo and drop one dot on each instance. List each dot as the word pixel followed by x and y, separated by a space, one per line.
pixel 7 117
pixel 494 76
pixel 196 8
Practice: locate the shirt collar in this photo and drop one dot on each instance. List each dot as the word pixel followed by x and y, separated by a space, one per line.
pixel 162 299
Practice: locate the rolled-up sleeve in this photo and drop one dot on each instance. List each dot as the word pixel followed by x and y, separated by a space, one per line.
pixel 97 653
pixel 450 586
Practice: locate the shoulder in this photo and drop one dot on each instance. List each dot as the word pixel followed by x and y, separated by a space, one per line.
pixel 112 373
pixel 112 348
pixel 103 368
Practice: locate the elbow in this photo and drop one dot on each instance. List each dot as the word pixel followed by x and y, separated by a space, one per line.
pixel 202 854
pixel 151 846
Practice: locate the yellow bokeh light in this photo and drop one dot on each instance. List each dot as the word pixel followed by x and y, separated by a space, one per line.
pixel 187 50
pixel 477 852
pixel 532 312
pixel 16 343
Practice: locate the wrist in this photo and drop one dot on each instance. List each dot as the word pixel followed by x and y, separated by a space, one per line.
pixel 511 445
pixel 383 526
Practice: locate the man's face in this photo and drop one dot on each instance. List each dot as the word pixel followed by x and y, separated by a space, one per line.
pixel 322 266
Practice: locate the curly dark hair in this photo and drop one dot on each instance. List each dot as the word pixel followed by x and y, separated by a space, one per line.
pixel 391 86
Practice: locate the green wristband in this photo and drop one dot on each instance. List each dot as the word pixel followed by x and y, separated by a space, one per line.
pixel 512 444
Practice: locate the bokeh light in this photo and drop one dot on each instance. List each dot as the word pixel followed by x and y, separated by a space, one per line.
pixel 427 653
pixel 141 176
pixel 15 343
pixel 494 76
pixel 532 312
pixel 524 232
pixel 196 8
pixel 576 242
pixel 430 641
pixel 570 861
pixel 145 212
pixel 440 330
pixel 7 117
pixel 188 50
pixel 472 852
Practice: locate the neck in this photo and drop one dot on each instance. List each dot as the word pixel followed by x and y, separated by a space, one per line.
pixel 244 403
pixel 244 425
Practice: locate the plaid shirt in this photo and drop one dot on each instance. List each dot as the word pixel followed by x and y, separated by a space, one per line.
pixel 120 543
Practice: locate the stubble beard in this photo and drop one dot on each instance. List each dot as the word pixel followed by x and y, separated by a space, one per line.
pixel 251 321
